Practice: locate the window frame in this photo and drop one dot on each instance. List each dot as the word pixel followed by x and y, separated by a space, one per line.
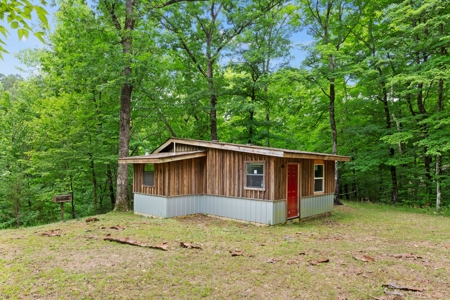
pixel 143 175
pixel 263 163
pixel 319 163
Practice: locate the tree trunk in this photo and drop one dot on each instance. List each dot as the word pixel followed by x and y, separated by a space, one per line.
pixel 110 186
pixel 393 169
pixel 439 157
pixel 439 109
pixel 124 143
pixel 16 197
pixel 94 182
pixel 426 158
pixel 73 198
pixel 212 97
pixel 213 118
pixel 334 147
pixel 438 182
pixel 125 108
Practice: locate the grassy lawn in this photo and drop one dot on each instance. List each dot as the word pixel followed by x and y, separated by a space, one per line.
pixel 410 249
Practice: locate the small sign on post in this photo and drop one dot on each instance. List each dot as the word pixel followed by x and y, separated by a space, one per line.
pixel 61 199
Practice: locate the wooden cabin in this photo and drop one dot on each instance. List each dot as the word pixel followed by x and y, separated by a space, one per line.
pixel 244 182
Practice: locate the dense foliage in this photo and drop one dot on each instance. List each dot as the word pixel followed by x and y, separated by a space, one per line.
pixel 373 85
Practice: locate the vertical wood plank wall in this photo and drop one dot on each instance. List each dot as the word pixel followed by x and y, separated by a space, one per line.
pixel 306 176
pixel 226 174
pixel 223 173
pixel 329 177
pixel 138 177
pixel 280 171
pixel 184 177
pixel 182 148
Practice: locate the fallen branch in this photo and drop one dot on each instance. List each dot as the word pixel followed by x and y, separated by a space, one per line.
pixel 54 232
pixel 393 293
pixel 364 258
pixel 273 260
pixel 406 255
pixel 117 227
pixel 92 219
pixel 402 288
pixel 236 252
pixel 318 261
pixel 129 241
pixel 190 246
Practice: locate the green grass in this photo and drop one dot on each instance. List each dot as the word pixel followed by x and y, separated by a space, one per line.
pixel 80 265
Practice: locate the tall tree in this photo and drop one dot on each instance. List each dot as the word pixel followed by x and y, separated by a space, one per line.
pixel 329 22
pixel 368 38
pixel 421 55
pixel 205 29
pixel 125 20
pixel 258 53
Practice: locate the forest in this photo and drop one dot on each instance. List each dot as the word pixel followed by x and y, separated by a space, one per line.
pixel 117 77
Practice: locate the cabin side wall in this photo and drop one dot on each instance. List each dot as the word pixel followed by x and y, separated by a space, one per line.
pixel 226 175
pixel 184 177
pixel 306 177
pixel 223 173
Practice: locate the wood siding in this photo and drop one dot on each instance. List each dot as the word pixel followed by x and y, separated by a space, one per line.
pixel 306 177
pixel 329 177
pixel 223 173
pixel 182 148
pixel 185 177
pixel 227 174
pixel 280 180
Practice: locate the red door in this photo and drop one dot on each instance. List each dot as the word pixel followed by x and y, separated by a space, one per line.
pixel 292 191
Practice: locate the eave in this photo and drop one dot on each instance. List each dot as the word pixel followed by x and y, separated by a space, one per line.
pixel 159 158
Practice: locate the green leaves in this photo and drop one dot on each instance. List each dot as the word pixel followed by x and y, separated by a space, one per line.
pixel 398 137
pixel 16 13
pixel 42 15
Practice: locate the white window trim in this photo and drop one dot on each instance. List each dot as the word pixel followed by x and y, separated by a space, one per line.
pixel 323 178
pixel 263 163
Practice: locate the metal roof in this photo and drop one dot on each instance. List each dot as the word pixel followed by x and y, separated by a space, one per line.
pixel 251 149
pixel 163 157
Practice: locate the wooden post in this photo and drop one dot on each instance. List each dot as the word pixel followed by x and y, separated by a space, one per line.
pixel 62 211
pixel 61 199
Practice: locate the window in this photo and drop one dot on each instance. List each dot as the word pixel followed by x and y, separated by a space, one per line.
pixel 318 178
pixel 255 175
pixel 149 175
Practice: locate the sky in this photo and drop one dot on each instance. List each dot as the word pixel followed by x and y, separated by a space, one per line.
pixel 13 45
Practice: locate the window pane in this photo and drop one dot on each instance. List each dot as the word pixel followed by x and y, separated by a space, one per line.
pixel 318 185
pixel 318 170
pixel 255 169
pixel 255 181
pixel 255 175
pixel 149 178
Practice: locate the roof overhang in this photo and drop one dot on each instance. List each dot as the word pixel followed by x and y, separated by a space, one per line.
pixel 159 158
pixel 312 155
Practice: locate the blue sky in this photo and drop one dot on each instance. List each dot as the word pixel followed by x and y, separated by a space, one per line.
pixel 13 46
